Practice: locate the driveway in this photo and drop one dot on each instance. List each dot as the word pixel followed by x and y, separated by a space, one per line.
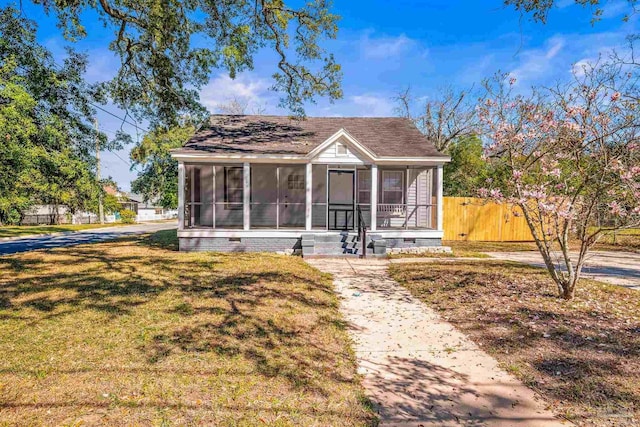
pixel 617 268
pixel 418 369
pixel 80 237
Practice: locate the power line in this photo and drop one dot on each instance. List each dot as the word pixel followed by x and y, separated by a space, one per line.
pixel 128 163
pixel 117 117
pixel 124 161
pixel 123 119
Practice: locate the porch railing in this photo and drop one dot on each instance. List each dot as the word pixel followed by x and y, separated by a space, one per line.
pixel 229 215
pixel 406 216
pixel 341 216
pixel 226 215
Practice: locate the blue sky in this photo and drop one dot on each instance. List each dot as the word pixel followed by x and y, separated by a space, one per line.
pixel 384 47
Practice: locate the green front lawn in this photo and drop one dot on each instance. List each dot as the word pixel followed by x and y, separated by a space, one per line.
pixel 131 332
pixel 582 355
pixel 25 230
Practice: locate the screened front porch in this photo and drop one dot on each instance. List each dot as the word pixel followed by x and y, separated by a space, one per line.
pixel 256 196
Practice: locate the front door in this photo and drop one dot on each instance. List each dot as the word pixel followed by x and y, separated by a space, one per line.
pixel 341 200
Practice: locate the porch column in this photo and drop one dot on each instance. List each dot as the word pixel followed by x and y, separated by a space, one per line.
pixel 308 194
pixel 246 196
pixel 181 196
pixel 439 198
pixel 374 197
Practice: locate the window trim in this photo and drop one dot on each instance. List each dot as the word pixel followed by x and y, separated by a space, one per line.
pixel 296 181
pixel 367 178
pixel 385 190
pixel 227 188
pixel 346 149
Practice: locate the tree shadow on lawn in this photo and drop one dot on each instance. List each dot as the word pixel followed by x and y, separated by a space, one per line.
pixel 284 332
pixel 279 316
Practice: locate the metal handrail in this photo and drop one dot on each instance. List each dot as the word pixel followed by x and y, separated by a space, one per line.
pixel 346 208
pixel 362 232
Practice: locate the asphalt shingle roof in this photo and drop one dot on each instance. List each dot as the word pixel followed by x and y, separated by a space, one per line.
pixel 244 134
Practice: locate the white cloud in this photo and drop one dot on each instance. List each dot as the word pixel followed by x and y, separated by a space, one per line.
pixel 246 88
pixel 368 104
pixel 615 9
pixel 561 4
pixel 372 105
pixel 386 47
pixel 581 66
pixel 537 63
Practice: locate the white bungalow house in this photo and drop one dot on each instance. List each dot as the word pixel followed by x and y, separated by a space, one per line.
pixel 272 183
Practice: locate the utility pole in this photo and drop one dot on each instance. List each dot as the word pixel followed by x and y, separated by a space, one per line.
pixel 100 208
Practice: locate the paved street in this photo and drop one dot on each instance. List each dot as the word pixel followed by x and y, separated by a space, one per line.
pixel 80 237
pixel 618 268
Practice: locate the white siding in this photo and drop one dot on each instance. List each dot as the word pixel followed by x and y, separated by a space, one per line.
pixel 331 155
pixel 418 195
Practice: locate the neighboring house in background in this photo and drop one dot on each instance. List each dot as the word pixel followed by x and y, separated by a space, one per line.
pixel 145 211
pixel 149 211
pixel 50 215
pixel 271 183
pixel 125 200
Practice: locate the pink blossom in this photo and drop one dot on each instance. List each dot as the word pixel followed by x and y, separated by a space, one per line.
pixel 615 96
pixel 517 175
pixel 495 193
pixel 616 209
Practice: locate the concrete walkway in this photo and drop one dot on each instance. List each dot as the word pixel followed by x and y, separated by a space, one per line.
pixel 418 369
pixel 618 268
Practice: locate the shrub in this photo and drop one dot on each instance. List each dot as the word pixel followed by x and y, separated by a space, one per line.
pixel 127 216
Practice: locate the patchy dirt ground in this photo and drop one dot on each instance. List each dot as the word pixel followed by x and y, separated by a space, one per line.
pixel 582 355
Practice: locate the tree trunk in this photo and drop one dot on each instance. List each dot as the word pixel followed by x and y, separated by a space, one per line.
pixel 568 290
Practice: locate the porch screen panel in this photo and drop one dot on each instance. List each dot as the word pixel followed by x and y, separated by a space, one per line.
pixel 392 209
pixel 292 196
pixel 363 193
pixel 206 197
pixel 264 196
pixel 198 196
pixel 229 195
pixel 319 197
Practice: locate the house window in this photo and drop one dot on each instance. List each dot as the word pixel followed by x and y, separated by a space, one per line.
pixel 341 149
pixel 364 187
pixel 392 188
pixel 233 187
pixel 295 182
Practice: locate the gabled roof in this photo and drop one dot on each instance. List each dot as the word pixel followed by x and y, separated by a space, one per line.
pixel 282 135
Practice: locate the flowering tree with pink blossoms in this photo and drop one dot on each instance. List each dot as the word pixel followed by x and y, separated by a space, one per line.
pixel 570 159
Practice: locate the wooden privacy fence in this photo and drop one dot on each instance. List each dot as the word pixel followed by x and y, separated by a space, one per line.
pixel 468 218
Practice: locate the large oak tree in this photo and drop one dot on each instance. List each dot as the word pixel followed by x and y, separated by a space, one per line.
pixel 168 48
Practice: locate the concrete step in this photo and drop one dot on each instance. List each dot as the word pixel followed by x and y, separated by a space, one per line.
pixel 335 237
pixel 333 256
pixel 336 252
pixel 337 244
